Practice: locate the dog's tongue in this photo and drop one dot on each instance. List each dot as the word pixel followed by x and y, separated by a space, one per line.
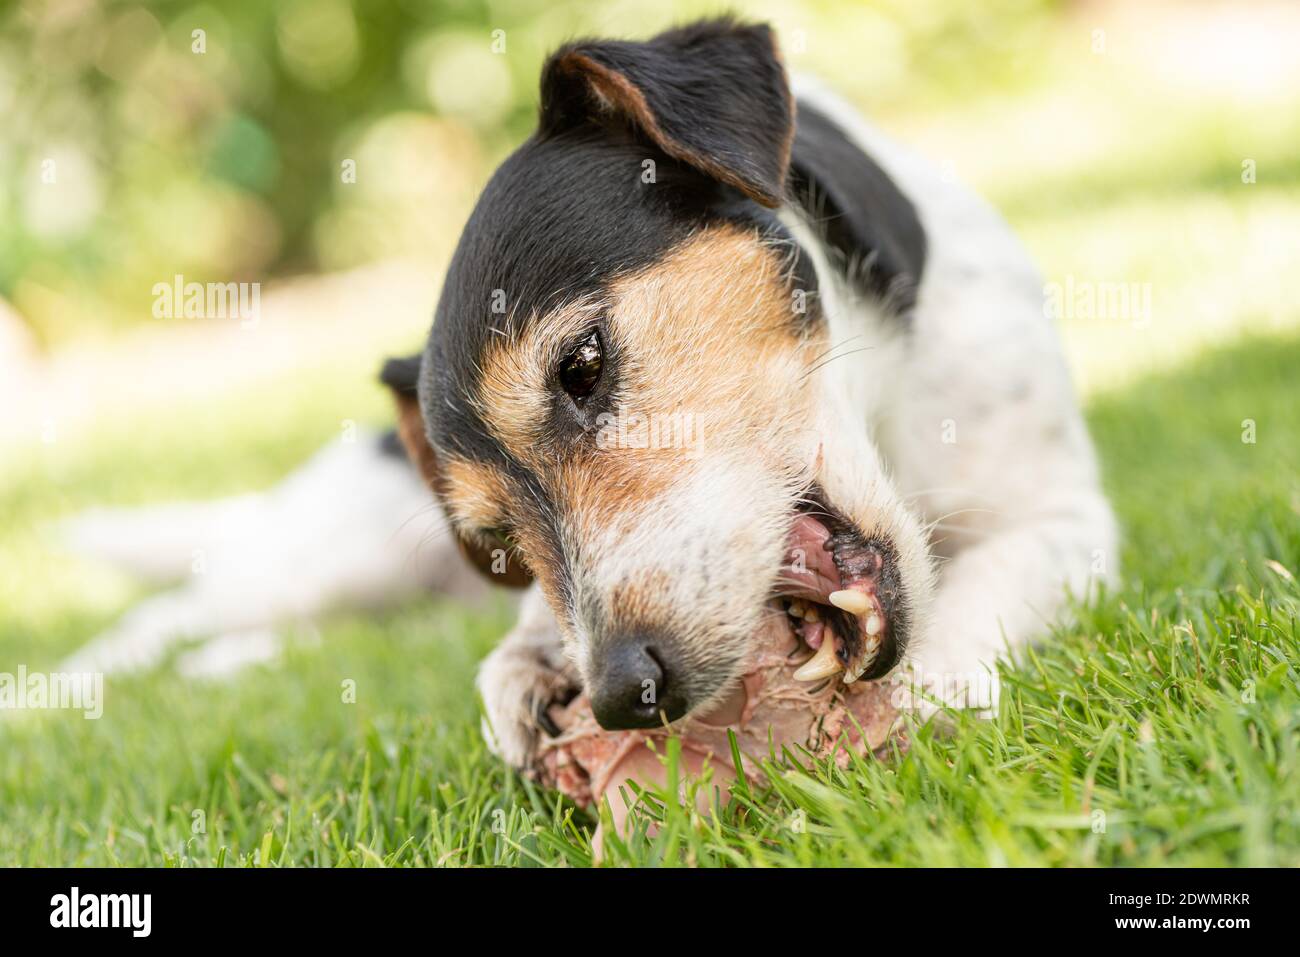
pixel 809 570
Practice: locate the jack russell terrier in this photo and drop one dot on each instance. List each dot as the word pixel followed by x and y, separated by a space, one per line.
pixel 712 350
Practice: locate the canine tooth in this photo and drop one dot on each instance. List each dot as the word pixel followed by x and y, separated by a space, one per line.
pixel 821 665
pixel 851 600
pixel 874 624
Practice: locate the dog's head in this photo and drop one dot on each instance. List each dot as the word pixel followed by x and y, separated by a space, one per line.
pixel 620 396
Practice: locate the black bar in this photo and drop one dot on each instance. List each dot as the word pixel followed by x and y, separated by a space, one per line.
pixel 333 907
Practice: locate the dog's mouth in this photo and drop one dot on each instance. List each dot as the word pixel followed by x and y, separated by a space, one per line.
pixel 840 593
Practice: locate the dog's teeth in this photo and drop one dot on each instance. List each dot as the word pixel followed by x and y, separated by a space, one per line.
pixel 811 614
pixel 821 665
pixel 874 624
pixel 851 600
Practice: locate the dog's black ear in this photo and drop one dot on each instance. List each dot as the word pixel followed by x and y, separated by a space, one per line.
pixel 403 377
pixel 713 95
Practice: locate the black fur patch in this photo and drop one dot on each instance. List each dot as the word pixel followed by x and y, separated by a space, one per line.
pixel 401 375
pixel 390 445
pixel 859 211
pixel 713 95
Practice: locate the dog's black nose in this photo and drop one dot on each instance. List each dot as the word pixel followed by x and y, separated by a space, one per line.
pixel 632 685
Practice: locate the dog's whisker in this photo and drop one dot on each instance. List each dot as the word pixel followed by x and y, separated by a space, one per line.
pixel 843 355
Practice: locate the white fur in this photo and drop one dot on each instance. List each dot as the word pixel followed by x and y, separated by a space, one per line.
pixel 525 672
pixel 1015 500
pixel 350 527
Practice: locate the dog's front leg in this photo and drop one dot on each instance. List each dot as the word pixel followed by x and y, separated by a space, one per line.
pixel 998 594
pixel 521 678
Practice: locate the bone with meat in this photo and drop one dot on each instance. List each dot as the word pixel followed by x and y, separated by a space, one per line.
pixel 772 708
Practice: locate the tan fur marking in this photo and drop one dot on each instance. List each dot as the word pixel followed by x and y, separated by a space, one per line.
pixel 474 496
pixel 706 336
pixel 707 332
pixel 410 429
pixel 512 396
pixel 472 491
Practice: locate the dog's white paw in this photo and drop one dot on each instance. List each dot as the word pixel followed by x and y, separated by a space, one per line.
pixel 517 686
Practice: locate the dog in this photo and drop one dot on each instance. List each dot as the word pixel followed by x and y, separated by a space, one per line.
pixel 885 449
pixel 713 355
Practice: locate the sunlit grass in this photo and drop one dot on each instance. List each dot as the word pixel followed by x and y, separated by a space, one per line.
pixel 1162 727
pixel 1172 708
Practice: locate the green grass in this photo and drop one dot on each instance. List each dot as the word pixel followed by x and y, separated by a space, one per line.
pixel 1160 728
pixel 1163 727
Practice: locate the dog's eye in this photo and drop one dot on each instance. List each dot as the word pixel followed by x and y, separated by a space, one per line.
pixel 580 370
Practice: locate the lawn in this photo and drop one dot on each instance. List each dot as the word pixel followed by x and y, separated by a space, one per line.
pixel 1160 727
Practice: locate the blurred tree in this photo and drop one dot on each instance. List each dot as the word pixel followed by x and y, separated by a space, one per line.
pixel 246 139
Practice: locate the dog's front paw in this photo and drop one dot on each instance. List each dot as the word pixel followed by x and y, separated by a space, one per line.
pixel 518 686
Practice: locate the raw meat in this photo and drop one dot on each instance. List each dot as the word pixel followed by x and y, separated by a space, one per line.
pixel 770 710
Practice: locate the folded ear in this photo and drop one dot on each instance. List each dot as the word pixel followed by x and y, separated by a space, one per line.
pixel 403 377
pixel 713 95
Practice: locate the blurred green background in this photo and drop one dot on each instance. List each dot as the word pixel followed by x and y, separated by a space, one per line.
pixel 211 140
pixel 1153 143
